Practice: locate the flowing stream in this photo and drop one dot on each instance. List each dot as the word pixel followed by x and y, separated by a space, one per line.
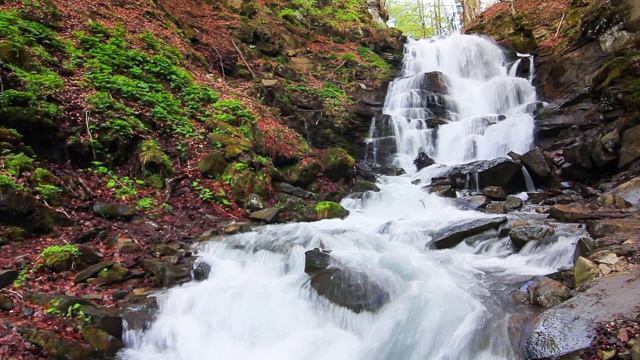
pixel 444 304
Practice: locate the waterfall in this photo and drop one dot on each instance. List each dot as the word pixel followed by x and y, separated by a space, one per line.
pixel 457 102
pixel 443 304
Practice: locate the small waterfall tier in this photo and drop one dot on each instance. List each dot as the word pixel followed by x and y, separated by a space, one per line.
pixel 457 101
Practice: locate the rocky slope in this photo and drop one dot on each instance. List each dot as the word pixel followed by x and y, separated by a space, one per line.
pixel 587 61
pixel 129 129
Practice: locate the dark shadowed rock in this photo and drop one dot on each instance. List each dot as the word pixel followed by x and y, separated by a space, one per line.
pixel 201 271
pixel 423 160
pixel 292 190
pixel 59 347
pixel 108 320
pixel 7 277
pixel 455 234
pixel 522 235
pixel 473 202
pixel 433 81
pixel 569 327
pixel 630 150
pixel 502 172
pixel 535 161
pixel 20 209
pixel 5 303
pixel 102 341
pixel 316 260
pixel 441 190
pixel 91 271
pixel 213 164
pixel 496 208
pixel 351 289
pixel 495 192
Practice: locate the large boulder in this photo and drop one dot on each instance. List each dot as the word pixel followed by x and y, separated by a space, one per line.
pixel 630 191
pixel 20 209
pixel 452 235
pixel 520 236
pixel 423 160
pixel 349 288
pixel 630 150
pixel 536 163
pixel 570 326
pixel 167 274
pixel 213 164
pixel 547 293
pixel 501 172
pixel 7 277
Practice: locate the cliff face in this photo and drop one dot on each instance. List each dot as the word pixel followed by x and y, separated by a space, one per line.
pixel 129 128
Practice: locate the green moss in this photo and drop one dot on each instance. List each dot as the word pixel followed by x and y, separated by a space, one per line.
pixel 330 210
pixel 16 164
pixel 59 258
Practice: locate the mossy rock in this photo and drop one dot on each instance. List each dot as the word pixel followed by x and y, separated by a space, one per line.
pixel 39 132
pixel 262 184
pixel 337 164
pixel 113 274
pixel 20 209
pixel 241 180
pixel 213 164
pixel 11 234
pixel 303 173
pixel 41 176
pixel 59 258
pixel 18 55
pixel 153 160
pixel 58 347
pixel 330 210
pixel 103 343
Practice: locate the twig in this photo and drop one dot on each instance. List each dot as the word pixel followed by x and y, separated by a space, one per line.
pixel 559 26
pixel 243 59
pixel 84 185
pixel 54 209
pixel 334 70
pixel 221 65
pixel 86 121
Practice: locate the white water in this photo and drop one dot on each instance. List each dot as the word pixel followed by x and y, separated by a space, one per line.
pixel 445 304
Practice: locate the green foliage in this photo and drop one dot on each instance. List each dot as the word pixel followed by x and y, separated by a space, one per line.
pixel 7 181
pixel 21 280
pixel 372 58
pixel 146 203
pixel 124 186
pixel 349 57
pixel 421 18
pixel 16 164
pixel 205 194
pixel 48 192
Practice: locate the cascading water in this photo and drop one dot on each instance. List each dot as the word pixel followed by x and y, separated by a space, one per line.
pixel 444 304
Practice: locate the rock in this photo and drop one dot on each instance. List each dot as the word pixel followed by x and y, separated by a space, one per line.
pixel 337 164
pixel 547 293
pixel 433 81
pixel 59 302
pixel 303 63
pixel 105 319
pixel 474 202
pixel 88 235
pixel 91 271
pixel 109 210
pixel 630 150
pixel 201 271
pixel 255 202
pixel 292 190
pixel 7 277
pixel 316 260
pixel 361 185
pixel 629 191
pixel 127 246
pixel 330 210
pixel 351 289
pixel 167 274
pixel 583 247
pixel 495 208
pixel 58 347
pixel 520 236
pixel 20 209
pixel 570 326
pixel 286 72
pixel 575 212
pixel 536 163
pixel 423 160
pixel 441 190
pixel 501 172
pixel 495 192
pixel 104 343
pixel 452 235
pixel 605 257
pixel 168 249
pixel 614 201
pixel 512 203
pixel 584 270
pixel 604 227
pixel 268 215
pixel 635 349
pixel 5 303
pixel 87 255
pixel 213 164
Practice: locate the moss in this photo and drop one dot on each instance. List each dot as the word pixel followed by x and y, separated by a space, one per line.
pixel 156 165
pixel 330 210
pixel 16 164
pixel 41 176
pixel 337 163
pixel 59 258
pixel 113 274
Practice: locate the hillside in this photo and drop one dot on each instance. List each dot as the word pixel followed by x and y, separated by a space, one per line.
pixel 129 129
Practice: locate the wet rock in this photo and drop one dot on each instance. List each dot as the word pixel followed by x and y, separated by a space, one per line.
pixel 584 246
pixel 570 326
pixel 110 210
pixel 138 312
pixel 292 190
pixel 585 270
pixel 201 271
pixel 423 160
pixel 337 164
pixel 520 236
pixel 21 209
pixel 575 212
pixel 7 277
pixel 330 210
pixel 361 185
pixel 317 260
pixel 501 172
pixel 58 347
pixel 441 190
pixel 268 215
pixel 455 234
pixel 433 81
pixel 5 303
pixel 473 202
pixel 91 271
pixel 495 208
pixel 351 289
pixel 167 274
pixel 104 343
pixel 255 202
pixel 108 320
pixel 167 249
pixel 494 192
pixel 512 203
pixel 536 163
pixel 630 150
pixel 547 293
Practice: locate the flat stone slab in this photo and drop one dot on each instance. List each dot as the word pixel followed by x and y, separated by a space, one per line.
pixel 455 234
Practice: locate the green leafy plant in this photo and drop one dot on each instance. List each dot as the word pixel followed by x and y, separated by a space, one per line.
pixel 48 192
pixel 16 164
pixel 146 203
pixel 21 280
